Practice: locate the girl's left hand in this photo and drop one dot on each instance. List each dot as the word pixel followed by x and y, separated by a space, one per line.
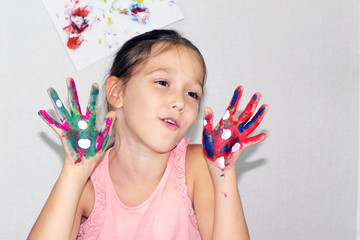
pixel 225 143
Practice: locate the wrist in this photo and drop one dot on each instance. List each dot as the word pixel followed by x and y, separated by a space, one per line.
pixel 216 171
pixel 223 178
pixel 76 173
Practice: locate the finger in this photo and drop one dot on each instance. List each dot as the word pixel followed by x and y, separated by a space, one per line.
pixel 254 140
pixel 60 129
pixel 231 110
pixel 93 101
pixel 58 105
pixel 57 127
pixel 255 121
pixel 208 141
pixel 208 118
pixel 73 97
pixel 103 136
pixel 250 108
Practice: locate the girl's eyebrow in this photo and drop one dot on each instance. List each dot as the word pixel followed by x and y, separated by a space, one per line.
pixel 160 70
pixel 200 82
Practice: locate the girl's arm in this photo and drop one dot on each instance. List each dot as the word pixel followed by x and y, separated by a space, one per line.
pixel 56 219
pixel 84 146
pixel 229 219
pixel 223 146
pixel 216 199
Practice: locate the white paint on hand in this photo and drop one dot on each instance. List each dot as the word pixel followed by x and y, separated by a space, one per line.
pixel 82 124
pixel 226 115
pixel 220 162
pixel 226 134
pixel 235 147
pixel 58 103
pixel 84 143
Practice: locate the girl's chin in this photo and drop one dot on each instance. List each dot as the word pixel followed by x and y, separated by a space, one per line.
pixel 165 146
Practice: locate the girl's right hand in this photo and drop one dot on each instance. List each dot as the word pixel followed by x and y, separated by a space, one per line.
pixel 230 137
pixel 83 143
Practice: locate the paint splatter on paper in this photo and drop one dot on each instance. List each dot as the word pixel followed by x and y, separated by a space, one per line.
pixel 93 29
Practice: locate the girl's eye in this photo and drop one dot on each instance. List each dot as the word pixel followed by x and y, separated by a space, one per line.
pixel 193 95
pixel 162 83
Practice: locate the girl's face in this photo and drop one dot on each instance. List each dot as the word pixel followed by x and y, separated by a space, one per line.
pixel 161 100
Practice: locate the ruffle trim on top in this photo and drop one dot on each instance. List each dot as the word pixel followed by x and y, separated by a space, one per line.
pixel 99 204
pixel 180 179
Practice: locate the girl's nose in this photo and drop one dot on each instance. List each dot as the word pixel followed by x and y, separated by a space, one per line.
pixel 177 102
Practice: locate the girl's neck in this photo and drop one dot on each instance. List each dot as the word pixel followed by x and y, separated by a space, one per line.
pixel 135 163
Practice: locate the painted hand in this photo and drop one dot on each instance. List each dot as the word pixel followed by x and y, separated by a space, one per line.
pixel 230 136
pixel 78 132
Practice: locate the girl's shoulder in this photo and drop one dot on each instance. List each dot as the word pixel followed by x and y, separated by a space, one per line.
pixel 200 187
pixel 196 167
pixel 194 156
pixel 195 160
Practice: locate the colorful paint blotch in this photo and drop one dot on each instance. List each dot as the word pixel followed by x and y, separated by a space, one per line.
pixel 230 135
pixel 78 129
pixel 110 21
pixel 140 13
pixel 78 23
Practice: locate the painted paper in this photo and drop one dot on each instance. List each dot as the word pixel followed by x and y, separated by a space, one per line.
pixel 92 29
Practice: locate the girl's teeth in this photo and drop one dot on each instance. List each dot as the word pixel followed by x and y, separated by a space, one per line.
pixel 169 121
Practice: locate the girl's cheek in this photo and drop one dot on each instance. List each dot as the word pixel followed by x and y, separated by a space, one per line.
pixel 193 106
pixel 195 111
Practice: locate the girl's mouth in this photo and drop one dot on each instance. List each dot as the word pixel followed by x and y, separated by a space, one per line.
pixel 171 122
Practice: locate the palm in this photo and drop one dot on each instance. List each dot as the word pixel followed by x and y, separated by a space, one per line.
pixel 231 135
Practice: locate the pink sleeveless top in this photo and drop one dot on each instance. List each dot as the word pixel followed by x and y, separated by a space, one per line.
pixel 166 214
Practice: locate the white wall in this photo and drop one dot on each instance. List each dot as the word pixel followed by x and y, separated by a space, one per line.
pixel 301 55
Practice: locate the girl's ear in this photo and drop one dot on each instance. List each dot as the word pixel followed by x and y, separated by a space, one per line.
pixel 114 91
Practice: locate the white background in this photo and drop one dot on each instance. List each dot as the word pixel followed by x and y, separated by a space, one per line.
pixel 301 183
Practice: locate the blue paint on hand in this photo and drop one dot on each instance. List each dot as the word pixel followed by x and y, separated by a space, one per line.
pixel 226 148
pixel 242 127
pixel 234 99
pixel 208 143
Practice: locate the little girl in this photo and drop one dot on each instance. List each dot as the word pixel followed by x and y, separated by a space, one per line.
pixel 151 183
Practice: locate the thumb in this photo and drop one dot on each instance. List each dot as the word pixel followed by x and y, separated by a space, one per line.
pixel 208 119
pixel 208 141
pixel 103 136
